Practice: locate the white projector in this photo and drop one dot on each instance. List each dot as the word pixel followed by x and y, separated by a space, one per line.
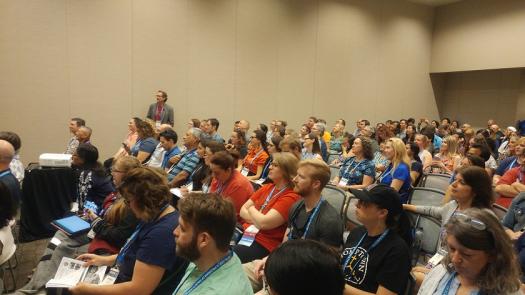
pixel 54 160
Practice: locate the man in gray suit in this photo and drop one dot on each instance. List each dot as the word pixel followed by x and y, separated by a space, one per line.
pixel 160 112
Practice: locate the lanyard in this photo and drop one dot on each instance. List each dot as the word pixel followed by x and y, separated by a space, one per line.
pixel 353 169
pixel 310 219
pixel 376 242
pixel 255 157
pixel 223 185
pixel 125 248
pixel 512 164
pixel 7 172
pixel 269 197
pixel 266 167
pixel 386 172
pixel 206 274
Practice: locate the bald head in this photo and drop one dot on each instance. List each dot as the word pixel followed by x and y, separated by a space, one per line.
pixel 83 134
pixel 7 152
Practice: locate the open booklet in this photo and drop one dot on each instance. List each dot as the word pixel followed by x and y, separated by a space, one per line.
pixel 72 271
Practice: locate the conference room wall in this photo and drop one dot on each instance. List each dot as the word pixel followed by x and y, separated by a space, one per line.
pixel 478 35
pixel 230 59
pixel 476 96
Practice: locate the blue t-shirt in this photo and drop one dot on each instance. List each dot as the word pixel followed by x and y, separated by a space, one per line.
pixel 402 173
pixel 354 171
pixel 168 155
pixel 146 145
pixel 153 245
pixel 506 164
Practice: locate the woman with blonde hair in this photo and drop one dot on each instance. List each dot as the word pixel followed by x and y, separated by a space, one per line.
pixel 447 160
pixel 397 174
pixel 480 260
pixel 423 142
pixel 266 212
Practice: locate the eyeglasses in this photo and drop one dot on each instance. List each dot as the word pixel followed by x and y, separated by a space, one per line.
pixel 475 223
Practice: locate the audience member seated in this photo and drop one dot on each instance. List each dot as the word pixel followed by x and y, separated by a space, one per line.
pixel 397 174
pixel 305 130
pixel 337 138
pixel 186 162
pixel 156 158
pixel 194 123
pixel 111 228
pixel 447 160
pixel 311 147
pixel 146 262
pixel 228 182
pixel 16 166
pixel 303 267
pixel 425 156
pixel 416 167
pixel 318 130
pixel 160 112
pixel 72 144
pixel 471 189
pixel 210 130
pixel 490 165
pixel 7 153
pixel 291 145
pixel 516 149
pixel 380 160
pixel 311 218
pixel 130 139
pixel 514 224
pixel 253 164
pixel 93 183
pixel 84 134
pixel 480 260
pixel 273 147
pixel 508 142
pixel 346 146
pixel 238 143
pixel 266 212
pixel 410 134
pixel 168 141
pixel 357 171
pixel 7 214
pixel 511 183
pixel 146 142
pixel 376 258
pixel 206 224
pixel 401 131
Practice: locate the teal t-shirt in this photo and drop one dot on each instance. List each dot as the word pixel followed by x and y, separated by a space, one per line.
pixel 228 279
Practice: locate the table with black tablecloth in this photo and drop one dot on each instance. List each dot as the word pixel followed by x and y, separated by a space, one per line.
pixel 46 195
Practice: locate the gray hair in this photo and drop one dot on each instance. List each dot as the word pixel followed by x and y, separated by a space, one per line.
pixel 321 127
pixel 196 132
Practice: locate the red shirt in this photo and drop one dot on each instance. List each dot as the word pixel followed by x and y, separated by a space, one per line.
pixel 271 238
pixel 510 177
pixel 254 159
pixel 238 189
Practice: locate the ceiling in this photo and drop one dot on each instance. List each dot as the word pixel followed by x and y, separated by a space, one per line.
pixel 434 2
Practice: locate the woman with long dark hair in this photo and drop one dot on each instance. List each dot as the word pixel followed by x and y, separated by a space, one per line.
pixel 253 164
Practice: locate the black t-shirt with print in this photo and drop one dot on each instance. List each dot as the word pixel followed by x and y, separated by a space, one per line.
pixel 388 264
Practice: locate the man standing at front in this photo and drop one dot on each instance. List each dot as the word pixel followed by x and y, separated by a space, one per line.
pixel 206 225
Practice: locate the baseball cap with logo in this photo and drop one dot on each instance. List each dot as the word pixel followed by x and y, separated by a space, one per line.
pixel 382 195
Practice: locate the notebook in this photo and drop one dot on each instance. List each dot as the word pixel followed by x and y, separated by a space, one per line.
pixel 72 225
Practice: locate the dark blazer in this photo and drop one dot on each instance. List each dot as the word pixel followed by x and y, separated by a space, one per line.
pixel 166 116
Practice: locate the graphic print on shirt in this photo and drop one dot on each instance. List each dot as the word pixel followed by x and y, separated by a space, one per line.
pixel 355 270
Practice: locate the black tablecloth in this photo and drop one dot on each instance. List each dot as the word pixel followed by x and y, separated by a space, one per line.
pixel 46 196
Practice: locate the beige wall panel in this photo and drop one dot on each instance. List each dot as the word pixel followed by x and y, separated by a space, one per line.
pixel 479 34
pixel 257 60
pixel 33 75
pixel 99 42
pixel 160 56
pixel 211 59
pixel 297 35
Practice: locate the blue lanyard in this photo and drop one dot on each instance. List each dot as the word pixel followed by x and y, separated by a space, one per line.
pixel 206 274
pixel 269 197
pixel 349 166
pixel 386 172
pixel 446 290
pixel 266 167
pixel 7 172
pixel 223 185
pixel 310 219
pixel 376 242
pixel 512 164
pixel 125 248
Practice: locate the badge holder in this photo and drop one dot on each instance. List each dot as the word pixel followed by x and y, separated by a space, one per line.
pixel 343 182
pixel 245 171
pixel 249 236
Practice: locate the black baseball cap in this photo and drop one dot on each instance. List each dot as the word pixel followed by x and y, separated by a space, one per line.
pixel 382 195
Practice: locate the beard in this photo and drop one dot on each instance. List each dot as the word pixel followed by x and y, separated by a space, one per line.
pixel 189 251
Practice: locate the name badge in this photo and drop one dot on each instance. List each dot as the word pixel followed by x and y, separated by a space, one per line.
pixel 189 186
pixel 343 182
pixel 245 171
pixel 435 260
pixel 157 124
pixel 111 277
pixel 91 234
pixel 260 181
pixel 249 236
